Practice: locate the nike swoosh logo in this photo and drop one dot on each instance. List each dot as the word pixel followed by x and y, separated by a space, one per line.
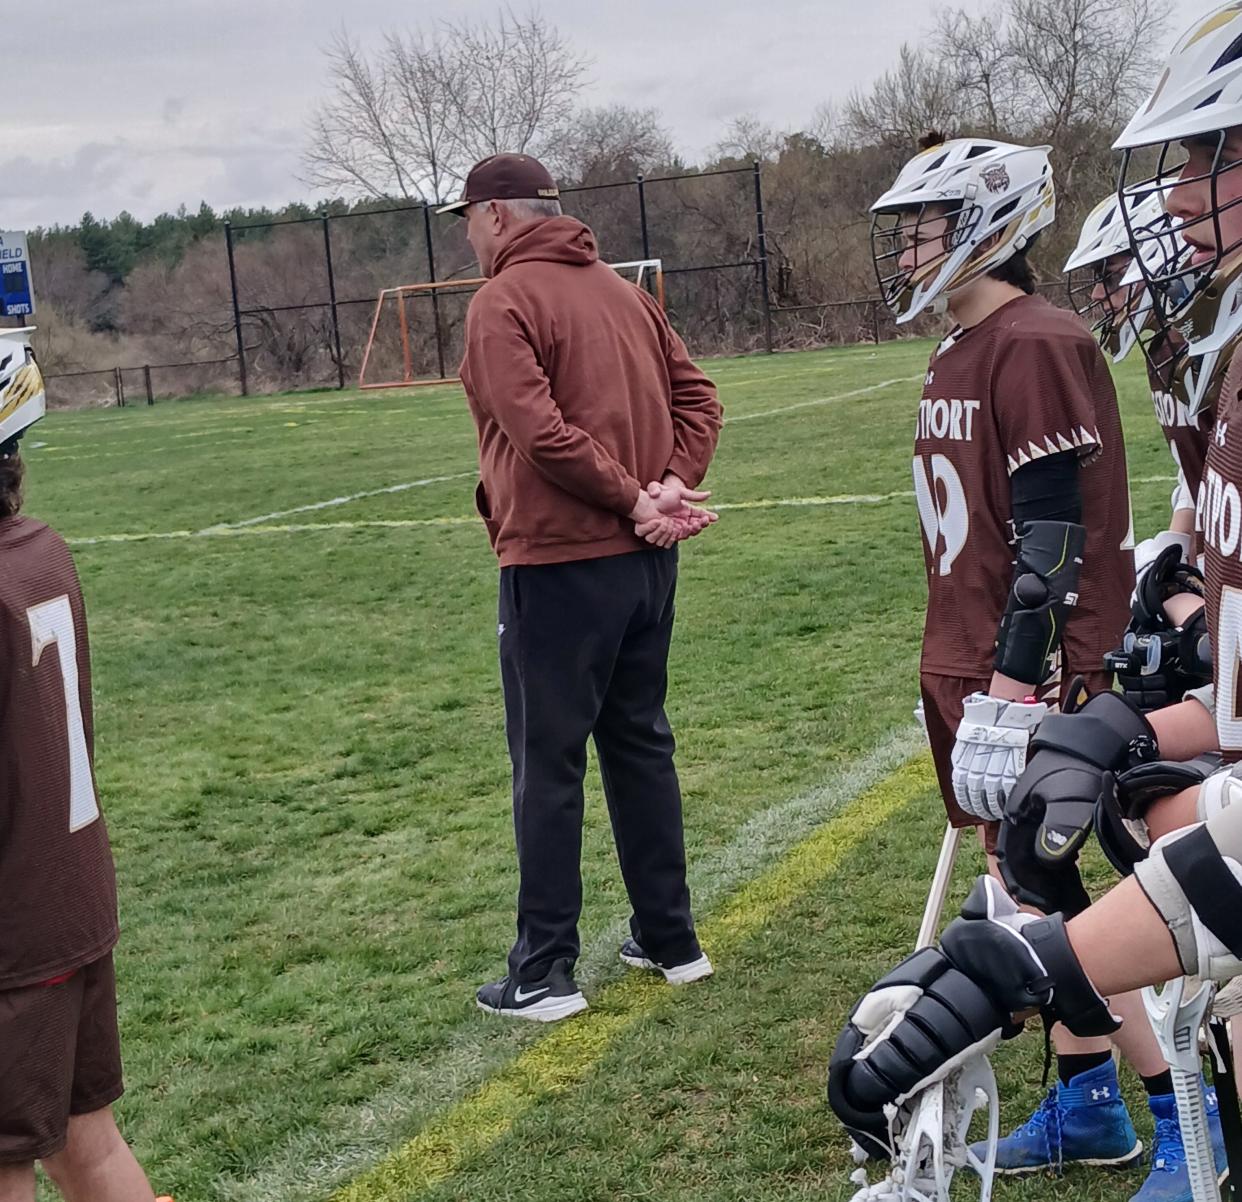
pixel 519 995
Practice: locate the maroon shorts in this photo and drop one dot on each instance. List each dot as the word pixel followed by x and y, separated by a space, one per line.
pixel 60 1055
pixel 942 710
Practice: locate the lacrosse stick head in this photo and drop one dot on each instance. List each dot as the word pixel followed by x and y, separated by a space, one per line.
pixel 930 1139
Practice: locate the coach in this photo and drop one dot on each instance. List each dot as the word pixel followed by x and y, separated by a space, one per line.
pixel 594 430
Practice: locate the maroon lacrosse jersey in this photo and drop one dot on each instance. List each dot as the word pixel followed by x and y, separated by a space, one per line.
pixel 1026 382
pixel 1219 523
pixel 57 883
pixel 1187 436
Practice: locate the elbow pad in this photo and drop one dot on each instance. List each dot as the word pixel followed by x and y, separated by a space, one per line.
pixel 1045 587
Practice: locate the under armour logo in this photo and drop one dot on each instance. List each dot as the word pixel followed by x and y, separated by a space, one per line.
pixel 1101 1094
pixel 931 375
pixel 1222 428
pixel 500 630
pixel 1057 839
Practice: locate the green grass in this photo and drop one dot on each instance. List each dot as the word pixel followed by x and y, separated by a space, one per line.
pixel 301 754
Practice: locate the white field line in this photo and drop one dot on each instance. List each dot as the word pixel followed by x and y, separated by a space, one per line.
pixel 825 400
pixel 334 502
pixel 350 1140
pixel 260 526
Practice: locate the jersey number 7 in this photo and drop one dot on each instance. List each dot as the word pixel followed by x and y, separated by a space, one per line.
pixel 52 624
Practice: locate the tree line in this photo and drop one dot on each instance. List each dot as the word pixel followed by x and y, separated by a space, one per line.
pixel 401 121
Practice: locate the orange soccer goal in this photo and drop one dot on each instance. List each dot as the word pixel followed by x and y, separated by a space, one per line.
pixel 406 330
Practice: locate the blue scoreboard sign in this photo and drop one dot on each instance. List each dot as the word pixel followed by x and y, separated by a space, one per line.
pixel 16 290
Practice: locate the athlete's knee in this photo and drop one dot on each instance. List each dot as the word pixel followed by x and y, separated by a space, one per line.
pixel 1172 813
pixel 89 1141
pixel 1194 879
pixel 17 1182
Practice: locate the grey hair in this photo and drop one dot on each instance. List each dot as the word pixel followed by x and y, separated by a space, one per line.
pixel 528 210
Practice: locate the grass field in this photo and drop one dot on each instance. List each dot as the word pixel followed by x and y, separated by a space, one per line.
pixel 300 749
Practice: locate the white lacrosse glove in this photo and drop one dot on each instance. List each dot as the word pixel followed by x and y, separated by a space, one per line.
pixel 1148 551
pixel 990 752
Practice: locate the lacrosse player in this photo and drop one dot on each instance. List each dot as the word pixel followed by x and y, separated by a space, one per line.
pixel 60 1052
pixel 1020 477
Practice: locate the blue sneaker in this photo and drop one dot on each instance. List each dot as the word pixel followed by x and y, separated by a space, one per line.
pixel 1084 1122
pixel 1169 1179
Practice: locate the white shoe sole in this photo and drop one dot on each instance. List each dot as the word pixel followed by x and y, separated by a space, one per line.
pixel 550 1010
pixel 683 974
pixel 1121 1162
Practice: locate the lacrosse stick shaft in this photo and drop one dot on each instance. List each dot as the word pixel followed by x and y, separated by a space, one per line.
pixel 1177 1022
pixel 1226 1083
pixel 941 880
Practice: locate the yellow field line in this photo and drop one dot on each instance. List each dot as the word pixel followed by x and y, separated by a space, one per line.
pixel 568 1054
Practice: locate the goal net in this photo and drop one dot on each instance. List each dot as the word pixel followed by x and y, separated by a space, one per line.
pixel 417 329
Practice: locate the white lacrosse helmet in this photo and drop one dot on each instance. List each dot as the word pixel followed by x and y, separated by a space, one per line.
pixel 1200 89
pixel 1198 95
pixel 997 196
pixel 22 399
pixel 1105 235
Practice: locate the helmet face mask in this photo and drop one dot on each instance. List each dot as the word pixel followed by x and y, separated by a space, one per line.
pixel 1205 238
pixel 911 246
pixel 1098 296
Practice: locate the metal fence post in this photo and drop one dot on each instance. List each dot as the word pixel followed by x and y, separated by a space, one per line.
pixel 435 295
pixel 763 259
pixel 119 385
pixel 146 376
pixel 237 329
pixel 336 324
pixel 642 216
pixel 875 323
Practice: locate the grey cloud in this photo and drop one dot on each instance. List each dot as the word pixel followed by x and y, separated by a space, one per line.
pixel 149 103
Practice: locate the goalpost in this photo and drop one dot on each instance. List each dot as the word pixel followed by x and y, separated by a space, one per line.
pixel 390 349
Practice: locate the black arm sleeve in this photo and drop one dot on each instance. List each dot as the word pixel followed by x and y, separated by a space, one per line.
pixel 1046 490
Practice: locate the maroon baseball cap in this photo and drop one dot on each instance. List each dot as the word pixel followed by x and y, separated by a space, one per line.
pixel 505 177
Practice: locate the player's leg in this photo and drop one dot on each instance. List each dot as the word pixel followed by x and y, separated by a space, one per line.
pixel 17 1182
pixel 635 746
pixel 559 628
pixel 38 1039
pixel 95 1162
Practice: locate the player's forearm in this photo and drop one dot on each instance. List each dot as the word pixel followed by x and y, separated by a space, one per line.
pixel 1009 689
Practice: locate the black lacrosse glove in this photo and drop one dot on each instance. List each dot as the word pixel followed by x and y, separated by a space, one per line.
pixel 1051 810
pixel 1157 661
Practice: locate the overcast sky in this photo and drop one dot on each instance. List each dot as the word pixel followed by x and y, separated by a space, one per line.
pixel 148 104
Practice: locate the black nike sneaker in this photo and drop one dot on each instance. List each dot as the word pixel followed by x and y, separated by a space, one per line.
pixel 693 969
pixel 547 1000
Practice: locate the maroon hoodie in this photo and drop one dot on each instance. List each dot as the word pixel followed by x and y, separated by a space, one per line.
pixel 582 394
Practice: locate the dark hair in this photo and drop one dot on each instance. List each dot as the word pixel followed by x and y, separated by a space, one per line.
pixel 12 469
pixel 1016 270
pixel 933 137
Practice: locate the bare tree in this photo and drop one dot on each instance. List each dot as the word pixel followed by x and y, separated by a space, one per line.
pixel 903 104
pixel 749 139
pixel 600 145
pixel 410 120
pixel 1083 60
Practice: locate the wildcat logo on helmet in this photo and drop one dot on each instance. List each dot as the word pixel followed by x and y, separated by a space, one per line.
pixel 996 179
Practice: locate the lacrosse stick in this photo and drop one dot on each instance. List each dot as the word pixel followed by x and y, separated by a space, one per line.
pixel 941 880
pixel 1177 1021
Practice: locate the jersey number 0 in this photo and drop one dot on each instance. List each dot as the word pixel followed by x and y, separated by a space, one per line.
pixel 52 624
